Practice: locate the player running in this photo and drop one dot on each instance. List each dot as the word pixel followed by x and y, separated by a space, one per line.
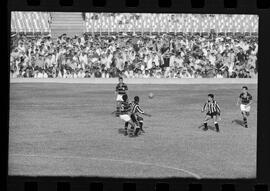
pixel 136 118
pixel 124 114
pixel 245 99
pixel 213 111
pixel 120 90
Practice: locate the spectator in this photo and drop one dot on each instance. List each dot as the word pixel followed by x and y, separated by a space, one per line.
pixel 166 56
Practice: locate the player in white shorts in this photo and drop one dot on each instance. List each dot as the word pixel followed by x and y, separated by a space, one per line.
pixel 245 100
pixel 125 108
pixel 120 90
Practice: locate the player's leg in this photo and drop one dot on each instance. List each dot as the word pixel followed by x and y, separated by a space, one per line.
pixel 134 119
pixel 117 108
pixel 126 126
pixel 137 127
pixel 140 120
pixel 127 120
pixel 118 104
pixel 134 126
pixel 215 118
pixel 244 118
pixel 207 117
pixel 243 112
pixel 131 124
pixel 247 114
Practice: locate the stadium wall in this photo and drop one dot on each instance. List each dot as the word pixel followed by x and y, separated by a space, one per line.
pixel 140 80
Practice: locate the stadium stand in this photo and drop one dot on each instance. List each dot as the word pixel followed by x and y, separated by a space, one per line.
pixel 134 45
pixel 70 23
pixel 108 22
pixel 30 22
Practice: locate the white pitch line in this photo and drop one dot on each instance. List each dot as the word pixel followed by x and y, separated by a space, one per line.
pixel 114 160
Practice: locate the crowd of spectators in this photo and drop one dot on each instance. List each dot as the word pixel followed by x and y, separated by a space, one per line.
pixel 135 56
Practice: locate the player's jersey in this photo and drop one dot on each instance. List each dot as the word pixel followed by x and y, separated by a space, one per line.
pixel 135 108
pixel 121 88
pixel 125 108
pixel 212 107
pixel 245 99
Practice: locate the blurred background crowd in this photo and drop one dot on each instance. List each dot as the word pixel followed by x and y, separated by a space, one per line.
pixel 133 55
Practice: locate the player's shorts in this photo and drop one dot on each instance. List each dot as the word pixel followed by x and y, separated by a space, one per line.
pixel 119 97
pixel 245 108
pixel 125 117
pixel 136 118
pixel 212 114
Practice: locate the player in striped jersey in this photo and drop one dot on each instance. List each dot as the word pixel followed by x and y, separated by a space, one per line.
pixel 124 114
pixel 136 118
pixel 213 111
pixel 120 90
pixel 245 99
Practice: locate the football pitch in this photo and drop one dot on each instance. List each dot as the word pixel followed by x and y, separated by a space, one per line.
pixel 69 130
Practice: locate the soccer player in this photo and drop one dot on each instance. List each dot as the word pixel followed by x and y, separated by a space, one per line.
pixel 124 113
pixel 120 90
pixel 136 118
pixel 245 99
pixel 213 111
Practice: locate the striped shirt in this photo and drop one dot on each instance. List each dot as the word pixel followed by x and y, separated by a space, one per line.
pixel 125 108
pixel 121 88
pixel 245 99
pixel 211 107
pixel 135 108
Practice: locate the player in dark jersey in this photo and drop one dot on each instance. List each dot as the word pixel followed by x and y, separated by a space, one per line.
pixel 120 90
pixel 245 100
pixel 124 114
pixel 212 111
pixel 136 118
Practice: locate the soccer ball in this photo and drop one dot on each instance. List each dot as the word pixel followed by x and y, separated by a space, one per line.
pixel 151 95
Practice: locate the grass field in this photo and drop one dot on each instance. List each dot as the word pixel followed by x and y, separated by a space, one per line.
pixel 68 130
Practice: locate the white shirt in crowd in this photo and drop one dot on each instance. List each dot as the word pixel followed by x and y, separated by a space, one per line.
pixel 156 60
pixel 172 58
pixel 103 75
pixel 149 63
pixel 219 76
pixel 146 75
pixel 81 74
pixel 212 59
pixel 142 67
pixel 41 75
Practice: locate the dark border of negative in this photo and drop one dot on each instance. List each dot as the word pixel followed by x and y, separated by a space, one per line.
pixel 259 7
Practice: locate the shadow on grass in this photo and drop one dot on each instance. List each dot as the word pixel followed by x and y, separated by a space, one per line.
pixel 210 127
pixel 238 122
pixel 130 132
pixel 121 131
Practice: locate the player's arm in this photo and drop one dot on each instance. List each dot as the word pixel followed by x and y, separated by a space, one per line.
pixel 148 115
pixel 116 90
pixel 203 108
pixel 126 88
pixel 238 100
pixel 250 100
pixel 218 109
pixel 142 112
